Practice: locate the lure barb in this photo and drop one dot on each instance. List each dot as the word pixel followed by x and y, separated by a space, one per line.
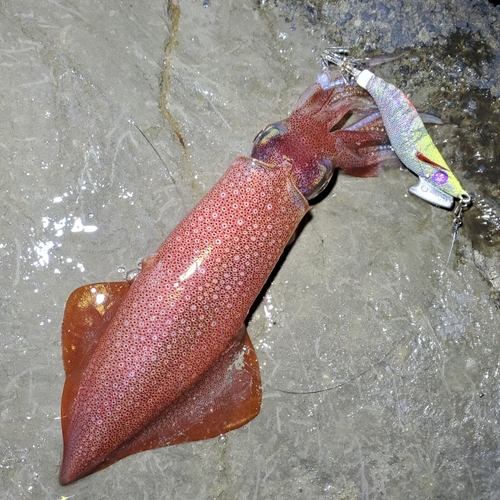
pixel 339 57
pixel 409 138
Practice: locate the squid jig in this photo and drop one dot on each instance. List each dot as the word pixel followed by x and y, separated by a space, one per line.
pixel 409 139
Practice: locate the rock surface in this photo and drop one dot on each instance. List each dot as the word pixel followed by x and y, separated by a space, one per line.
pixel 380 362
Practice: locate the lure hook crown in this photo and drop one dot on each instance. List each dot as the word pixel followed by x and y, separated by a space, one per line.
pixel 339 57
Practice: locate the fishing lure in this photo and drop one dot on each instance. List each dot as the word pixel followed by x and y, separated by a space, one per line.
pixel 409 138
pixel 166 359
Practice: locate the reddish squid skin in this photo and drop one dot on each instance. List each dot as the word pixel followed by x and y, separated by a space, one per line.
pixel 184 311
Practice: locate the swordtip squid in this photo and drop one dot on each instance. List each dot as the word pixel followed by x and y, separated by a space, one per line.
pixel 165 358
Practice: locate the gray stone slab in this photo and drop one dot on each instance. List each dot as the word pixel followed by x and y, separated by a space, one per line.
pixel 380 362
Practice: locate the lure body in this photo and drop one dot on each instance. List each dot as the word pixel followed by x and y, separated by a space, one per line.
pixel 409 137
pixel 166 359
pixel 412 143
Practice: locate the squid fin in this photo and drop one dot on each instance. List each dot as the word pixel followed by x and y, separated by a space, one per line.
pixel 88 311
pixel 226 397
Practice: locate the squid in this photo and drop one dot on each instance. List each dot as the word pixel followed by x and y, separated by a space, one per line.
pixel 165 358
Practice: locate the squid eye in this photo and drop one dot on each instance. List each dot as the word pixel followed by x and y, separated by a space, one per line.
pixel 265 135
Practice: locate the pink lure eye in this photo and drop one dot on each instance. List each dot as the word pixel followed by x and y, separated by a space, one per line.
pixel 440 177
